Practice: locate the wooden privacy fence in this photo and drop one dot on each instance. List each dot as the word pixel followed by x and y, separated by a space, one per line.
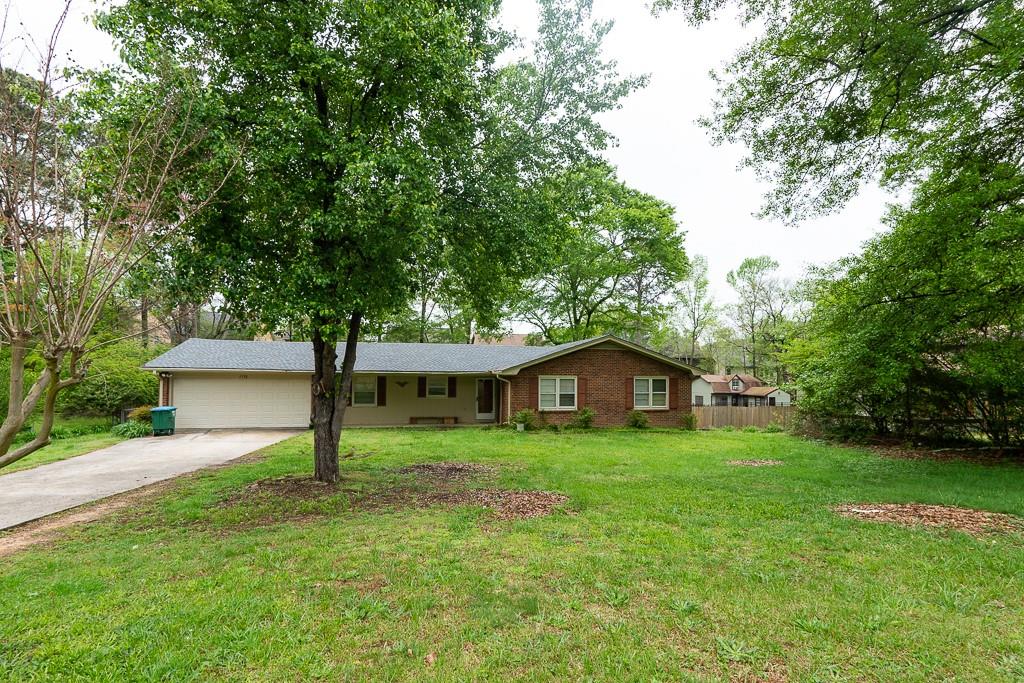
pixel 710 417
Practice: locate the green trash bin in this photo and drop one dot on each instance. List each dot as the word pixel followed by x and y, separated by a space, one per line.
pixel 163 420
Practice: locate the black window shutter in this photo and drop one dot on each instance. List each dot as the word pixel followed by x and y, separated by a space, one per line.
pixel 452 381
pixel 382 390
pixel 421 387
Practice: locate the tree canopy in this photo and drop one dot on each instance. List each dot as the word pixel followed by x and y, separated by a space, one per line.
pixel 377 138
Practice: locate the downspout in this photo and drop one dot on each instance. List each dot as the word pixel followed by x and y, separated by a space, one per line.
pixel 507 404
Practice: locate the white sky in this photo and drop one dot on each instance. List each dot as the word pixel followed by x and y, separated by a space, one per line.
pixel 661 149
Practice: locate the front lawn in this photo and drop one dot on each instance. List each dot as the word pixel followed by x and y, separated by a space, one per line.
pixel 666 563
pixel 71 436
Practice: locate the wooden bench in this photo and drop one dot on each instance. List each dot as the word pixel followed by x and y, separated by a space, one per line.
pixel 434 420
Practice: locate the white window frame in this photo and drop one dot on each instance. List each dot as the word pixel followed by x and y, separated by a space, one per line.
pixel 373 381
pixel 735 384
pixel 651 393
pixel 558 393
pixel 433 379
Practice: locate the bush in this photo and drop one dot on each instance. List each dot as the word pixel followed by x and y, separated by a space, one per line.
pixel 552 427
pixel 526 417
pixel 688 422
pixel 132 429
pixel 773 428
pixel 727 428
pixel 115 381
pixel 751 429
pixel 637 420
pixel 584 419
pixel 141 414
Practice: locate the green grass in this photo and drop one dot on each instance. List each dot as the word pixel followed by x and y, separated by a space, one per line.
pixel 71 436
pixel 666 564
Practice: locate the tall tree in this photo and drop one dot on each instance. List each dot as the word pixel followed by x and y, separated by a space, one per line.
pixel 92 170
pixel 696 305
pixel 372 132
pixel 752 283
pixel 624 254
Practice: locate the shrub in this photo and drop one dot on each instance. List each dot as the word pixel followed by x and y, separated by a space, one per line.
pixel 552 427
pixel 132 429
pixel 637 420
pixel 115 381
pixel 688 422
pixel 773 428
pixel 584 419
pixel 526 417
pixel 727 428
pixel 141 414
pixel 751 429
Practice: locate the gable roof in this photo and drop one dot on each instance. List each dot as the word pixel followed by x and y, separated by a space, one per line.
pixel 379 357
pixel 759 391
pixel 721 384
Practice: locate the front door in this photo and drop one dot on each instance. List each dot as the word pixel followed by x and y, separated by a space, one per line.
pixel 485 399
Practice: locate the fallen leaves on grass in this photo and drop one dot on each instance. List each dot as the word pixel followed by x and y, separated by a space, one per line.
pixel 974 522
pixel 503 504
pixel 755 463
pixel 445 489
pixel 447 470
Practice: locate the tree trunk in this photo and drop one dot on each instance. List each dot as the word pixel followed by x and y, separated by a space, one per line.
pixel 49 382
pixel 144 319
pixel 19 406
pixel 330 396
pixel 325 363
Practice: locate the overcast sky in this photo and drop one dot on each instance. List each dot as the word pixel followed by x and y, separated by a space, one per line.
pixel 661 149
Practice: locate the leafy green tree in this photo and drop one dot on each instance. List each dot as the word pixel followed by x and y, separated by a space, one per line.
pixel 831 94
pixel 696 306
pixel 624 254
pixel 925 97
pixel 933 348
pixel 374 133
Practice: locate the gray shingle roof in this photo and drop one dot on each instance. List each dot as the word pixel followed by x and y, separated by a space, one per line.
pixel 219 354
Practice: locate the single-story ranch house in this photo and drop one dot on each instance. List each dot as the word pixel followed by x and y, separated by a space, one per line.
pixel 230 384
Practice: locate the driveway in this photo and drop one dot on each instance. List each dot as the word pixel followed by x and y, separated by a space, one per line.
pixel 40 491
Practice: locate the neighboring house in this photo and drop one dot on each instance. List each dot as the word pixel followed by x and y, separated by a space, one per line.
pixel 736 390
pixel 506 340
pixel 222 384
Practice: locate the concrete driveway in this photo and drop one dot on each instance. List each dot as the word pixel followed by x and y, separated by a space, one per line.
pixel 31 494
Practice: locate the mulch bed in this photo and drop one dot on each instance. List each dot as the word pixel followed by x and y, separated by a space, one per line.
pixel 755 463
pixel 975 522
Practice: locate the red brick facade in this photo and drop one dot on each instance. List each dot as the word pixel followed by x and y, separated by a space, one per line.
pixel 604 378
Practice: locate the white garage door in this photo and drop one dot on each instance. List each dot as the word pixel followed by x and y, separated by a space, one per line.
pixel 239 400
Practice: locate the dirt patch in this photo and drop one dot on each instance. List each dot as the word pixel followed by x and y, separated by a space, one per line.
pixel 755 463
pixel 447 470
pixel 291 487
pixel 975 522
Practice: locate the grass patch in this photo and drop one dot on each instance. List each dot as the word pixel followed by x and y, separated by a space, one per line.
pixel 665 562
pixel 70 436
